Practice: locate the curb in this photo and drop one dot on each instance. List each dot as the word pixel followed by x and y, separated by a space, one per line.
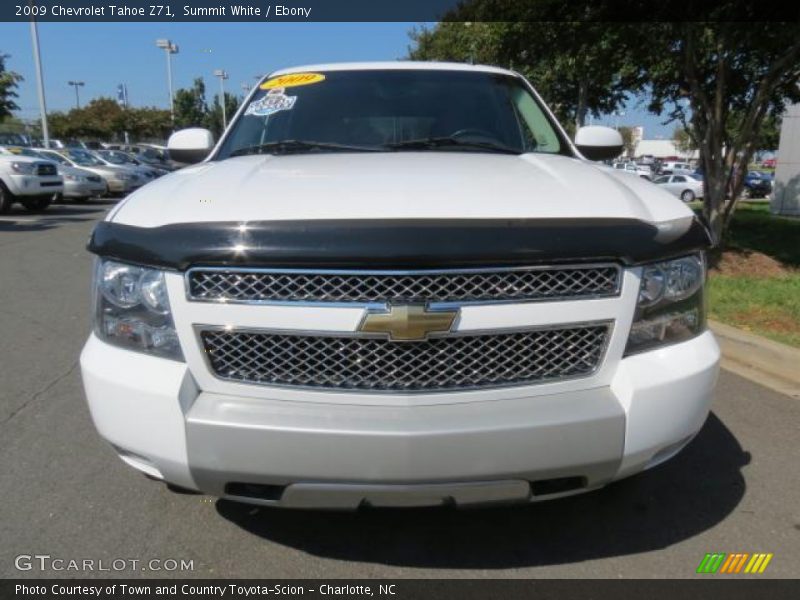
pixel 771 364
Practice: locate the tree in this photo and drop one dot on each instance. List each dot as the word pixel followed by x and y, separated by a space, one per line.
pixel 99 119
pixel 627 140
pixel 8 86
pixel 723 81
pixel 580 68
pixel 213 120
pixel 105 119
pixel 13 124
pixel 191 109
pixel 683 140
pixel 721 74
pixel 767 136
pixel 147 123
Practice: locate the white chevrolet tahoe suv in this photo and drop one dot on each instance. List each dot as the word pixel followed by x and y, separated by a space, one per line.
pixel 33 183
pixel 398 284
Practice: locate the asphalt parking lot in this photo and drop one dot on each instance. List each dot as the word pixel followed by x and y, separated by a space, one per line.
pixel 63 492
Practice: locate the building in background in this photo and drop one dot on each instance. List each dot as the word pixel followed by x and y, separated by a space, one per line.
pixel 663 149
pixel 785 198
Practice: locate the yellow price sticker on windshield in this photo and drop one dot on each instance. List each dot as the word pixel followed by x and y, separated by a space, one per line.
pixel 292 80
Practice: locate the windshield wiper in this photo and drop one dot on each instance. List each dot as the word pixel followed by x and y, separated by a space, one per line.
pixel 291 146
pixel 451 142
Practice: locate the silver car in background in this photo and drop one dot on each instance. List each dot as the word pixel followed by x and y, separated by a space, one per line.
pixel 631 167
pixel 685 187
pixel 123 159
pixel 120 180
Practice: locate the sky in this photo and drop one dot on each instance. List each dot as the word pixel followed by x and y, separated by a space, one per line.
pixel 104 55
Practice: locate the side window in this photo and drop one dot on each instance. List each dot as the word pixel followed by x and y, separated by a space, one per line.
pixel 535 128
pixel 679 179
pixel 54 157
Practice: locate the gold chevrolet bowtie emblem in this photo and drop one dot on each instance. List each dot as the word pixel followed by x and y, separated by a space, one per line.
pixel 409 322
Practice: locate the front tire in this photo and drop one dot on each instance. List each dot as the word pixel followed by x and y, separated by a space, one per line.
pixel 6 199
pixel 36 205
pixel 687 196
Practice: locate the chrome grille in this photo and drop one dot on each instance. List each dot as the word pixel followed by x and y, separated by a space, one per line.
pixel 376 364
pixel 535 283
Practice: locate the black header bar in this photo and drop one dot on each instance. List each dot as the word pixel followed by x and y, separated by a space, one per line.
pixel 708 588
pixel 175 11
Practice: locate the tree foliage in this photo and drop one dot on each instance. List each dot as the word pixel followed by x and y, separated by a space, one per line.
pixel 683 140
pixel 627 140
pixel 579 68
pixel 190 105
pixel 213 120
pixel 105 119
pixel 8 85
pixel 725 79
pixel 192 109
pixel 723 82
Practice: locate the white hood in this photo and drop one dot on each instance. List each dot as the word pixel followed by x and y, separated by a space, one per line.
pixel 396 185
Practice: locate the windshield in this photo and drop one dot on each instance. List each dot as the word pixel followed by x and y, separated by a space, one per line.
pixel 83 158
pixel 387 109
pixel 115 158
pixel 54 156
pixel 151 154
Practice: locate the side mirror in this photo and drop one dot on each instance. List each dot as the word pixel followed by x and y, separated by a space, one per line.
pixel 190 145
pixel 599 143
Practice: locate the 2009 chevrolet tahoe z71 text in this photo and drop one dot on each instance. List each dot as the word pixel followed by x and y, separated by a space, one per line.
pixel 398 284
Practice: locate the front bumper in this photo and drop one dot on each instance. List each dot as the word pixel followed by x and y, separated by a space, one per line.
pixel 119 186
pixel 34 185
pixel 81 189
pixel 307 454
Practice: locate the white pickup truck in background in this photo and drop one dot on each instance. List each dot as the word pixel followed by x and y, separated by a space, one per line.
pixel 32 183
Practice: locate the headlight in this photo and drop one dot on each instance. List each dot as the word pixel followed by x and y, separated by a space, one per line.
pixel 671 305
pixel 24 168
pixel 132 309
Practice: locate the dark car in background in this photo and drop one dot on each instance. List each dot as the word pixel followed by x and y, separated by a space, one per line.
pixel 757 185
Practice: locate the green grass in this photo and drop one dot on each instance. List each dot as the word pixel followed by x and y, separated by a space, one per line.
pixel 754 228
pixel 768 306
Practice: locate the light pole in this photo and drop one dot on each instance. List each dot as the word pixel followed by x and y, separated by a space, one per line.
pixel 222 77
pixel 40 83
pixel 169 48
pixel 76 85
